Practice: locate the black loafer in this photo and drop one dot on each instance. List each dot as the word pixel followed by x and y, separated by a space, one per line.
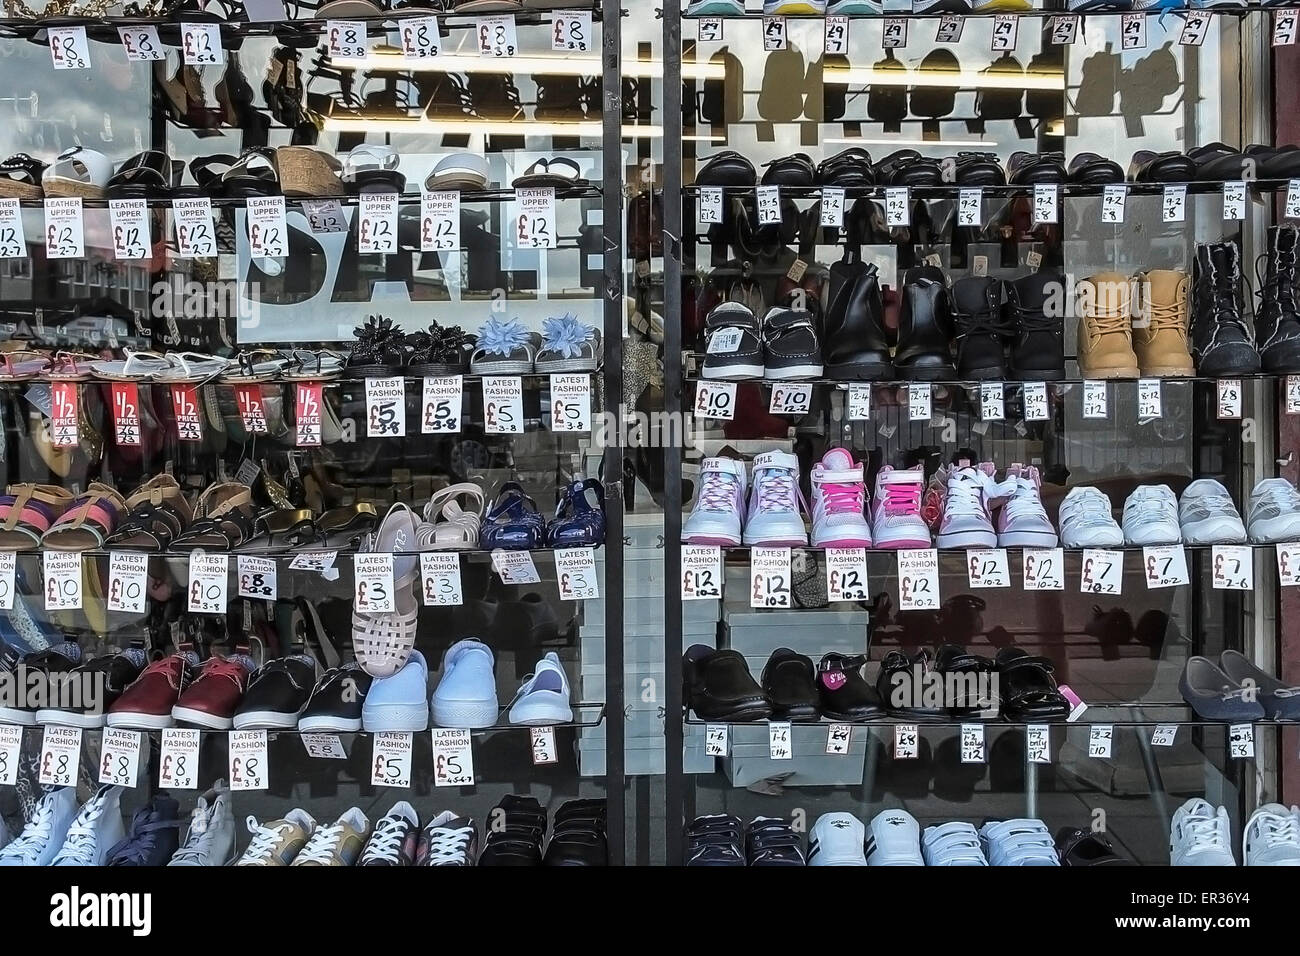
pixel 1171 166
pixel 1027 169
pixel 788 684
pixel 718 686
pixel 845 694
pixel 727 168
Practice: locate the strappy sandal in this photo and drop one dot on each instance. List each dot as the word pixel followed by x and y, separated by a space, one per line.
pixel 70 367
pixel 1027 687
pixel 190 367
pixel 313 365
pixel 342 528
pixel 27 511
pixel 88 521
pixel 22 366
pixel 458 528
pixel 20 176
pixel 157 514
pixel 282 530
pixel 558 173
pixel 223 519
pixel 137 367
pixel 255 365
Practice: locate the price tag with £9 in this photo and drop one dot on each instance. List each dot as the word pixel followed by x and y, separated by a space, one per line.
pixel 62 580
pixel 1095 400
pixel 256 577
pixel 907 741
pixel 709 29
pixel 1065 29
pixel 63 421
pixel 1036 407
pixel 1043 569
pixel 846 574
pixel 196 238
pixel 779 743
pixel 373 584
pixel 716 400
pixel 1005 28
pixel 571 402
pixel 69 48
pixel 894 33
pixel 1195 26
pixel 1165 566
pixel 542 741
pixel 208 574
pixel 441 403
pixel 832 215
pixel 1149 403
pixel 1045 204
pixel 440 221
pixel 774 34
pixel 988 568
pixel 347 39
pixel 201 43
pixel 1288 566
pixel 571 31
pixel 386 407
pixel 918 579
pixel 498 36
pixel 836 36
pixel 453 758
pixel 421 38
pixel 1133 31
pixel 268 232
pixel 13 241
pixel 972 743
pixel 128 579
pixel 1229 398
pixel 178 759
pixel 64 228
pixel 252 411
pixel 141 44
pixel 440 574
pixel 701 572
pixel 1113 198
pixel 1234 567
pixel 390 759
pixel 515 567
pixel 307 413
pixel 769 576
pixel 950 27
pixel 503 405
pixel 119 757
pixel 898 208
pixel 1284 27
pixel 129 219
pixel 992 402
pixel 377 233
pixel 1100 737
pixel 716 739
pixel 324 216
pixel 1102 571
pixel 60 756
pixel 535 218
pixel 576 570
pixel 8 569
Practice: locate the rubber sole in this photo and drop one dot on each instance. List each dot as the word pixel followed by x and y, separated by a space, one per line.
pixel 1028 539
pixel 967 539
pixel 800 714
pixel 328 725
pixel 841 542
pixel 201 718
pixel 757 710
pixel 468 714
pixel 68 718
pixel 12 715
pixel 860 372
pixel 133 721
pixel 791 373
pixel 265 719
pixel 1109 373
pixel 395 718
pixel 718 540
pixel 541 713
pixel 728 373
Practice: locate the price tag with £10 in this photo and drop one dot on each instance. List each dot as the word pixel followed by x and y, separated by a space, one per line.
pixel 62 580
pixel 207 589
pixel 128 581
pixel 716 400
pixel 791 398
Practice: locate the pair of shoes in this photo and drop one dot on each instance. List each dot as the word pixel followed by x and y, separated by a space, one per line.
pixel 722 840
pixel 297 840
pixel 1205 514
pixel 60 833
pixel 513 522
pixel 834 689
pixel 508 348
pixel 951 685
pixel 962 498
pixel 1200 834
pixel 1019 842
pixel 840 839
pixel 1004 330
pixel 1119 338
pixel 399 840
pixel 1236 690
pixel 786 348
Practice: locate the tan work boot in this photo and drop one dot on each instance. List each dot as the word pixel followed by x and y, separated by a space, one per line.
pixel 1160 323
pixel 1105 330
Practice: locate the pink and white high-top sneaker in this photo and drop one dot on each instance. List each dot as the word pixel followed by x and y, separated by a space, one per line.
pixel 720 505
pixel 839 501
pixel 896 511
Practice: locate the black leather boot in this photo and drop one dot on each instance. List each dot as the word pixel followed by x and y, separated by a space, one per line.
pixel 1277 324
pixel 976 303
pixel 1221 341
pixel 1035 312
pixel 855 344
pixel 924 327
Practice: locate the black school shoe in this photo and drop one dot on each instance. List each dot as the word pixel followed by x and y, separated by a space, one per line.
pixel 792 348
pixel 844 693
pixel 715 840
pixel 924 327
pixel 277 694
pixel 1038 339
pixel 902 685
pixel 1078 847
pixel 968 691
pixel 719 686
pixel 733 343
pixel 515 829
pixel 771 841
pixel 119 672
pixel 788 684
pixel 579 837
pixel 336 701
pixel 57 659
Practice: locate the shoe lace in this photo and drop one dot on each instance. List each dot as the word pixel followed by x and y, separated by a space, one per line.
pixel 35 835
pixel 843 498
pixel 1034 319
pixel 1225 300
pixel 1168 317
pixel 265 838
pixel 447 845
pixel 776 491
pixel 1106 321
pixel 1024 499
pixel 1276 829
pixel 718 491
pixel 226 667
pixel 969 491
pixel 199 838
pixel 386 842
pixel 1280 284
pixel 902 499
pixel 1205 831
pixel 79 847
pixel 138 848
pixel 322 846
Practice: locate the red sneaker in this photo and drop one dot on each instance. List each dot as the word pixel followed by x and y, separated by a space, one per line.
pixel 211 700
pixel 147 704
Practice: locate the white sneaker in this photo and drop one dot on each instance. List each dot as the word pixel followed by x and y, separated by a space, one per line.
pixel 543 698
pixel 1274 512
pixel 952 844
pixel 1200 835
pixel 400 702
pixel 776 506
pixel 894 840
pixel 211 837
pixel 96 829
pixel 1022 520
pixel 839 501
pixel 45 832
pixel 1272 837
pixel 467 694
pixel 1208 516
pixel 1023 841
pixel 1151 516
pixel 850 8
pixel 968 492
pixel 715 8
pixel 1087 521
pixel 896 510
pixel 277 842
pixel 719 506
pixel 837 839
pixel 784 8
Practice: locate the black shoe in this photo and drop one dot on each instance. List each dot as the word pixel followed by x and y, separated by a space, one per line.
pixel 152 837
pixel 57 659
pixel 771 841
pixel 733 344
pixel 976 303
pixel 907 167
pixel 393 841
pixel 846 169
pixel 844 693
pixel 718 686
pixel 1221 342
pixel 791 347
pixel 336 701
pixel 788 684
pixel 715 840
pixel 515 829
pixel 1093 169
pixel 968 694
pixel 1026 169
pixel 902 685
pixel 119 672
pixel 979 169
pixel 1277 323
pixel 1217 161
pixel 277 693
pixel 855 346
pixel 1038 345
pixel 449 840
pixel 1171 166
pixel 579 837
pixel 1078 847
pixel 924 327
pixel 439 351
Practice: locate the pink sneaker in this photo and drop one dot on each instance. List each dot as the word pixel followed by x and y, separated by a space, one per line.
pixel 839 501
pixel 896 513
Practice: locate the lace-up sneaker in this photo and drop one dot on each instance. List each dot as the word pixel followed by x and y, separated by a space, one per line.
pixel 147 704
pixel 96 828
pixel 1208 516
pixel 211 700
pixel 720 505
pixel 336 844
pixel 1151 516
pixel 45 832
pixel 776 505
pixel 839 500
pixel 447 840
pixel 211 837
pixel 278 842
pixel 967 520
pixel 1272 837
pixel 896 511
pixel 1022 520
pixel 1200 835
pixel 1274 512
pixel 1087 521
pixel 153 836
pixel 118 670
pixel 58 659
pixel 394 839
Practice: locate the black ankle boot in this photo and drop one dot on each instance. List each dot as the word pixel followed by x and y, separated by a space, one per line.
pixel 1221 341
pixel 1038 324
pixel 1277 324
pixel 855 343
pixel 924 327
pixel 981 336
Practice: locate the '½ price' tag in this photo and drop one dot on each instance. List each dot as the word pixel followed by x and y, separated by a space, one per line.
pixel 1065 29
pixel 571 31
pixel 440 221
pixel 256 577
pixel 542 741
pixel 178 759
pixel 268 232
pixel 453 758
pixel 347 39
pixel 716 739
pixel 716 400
pixel 1133 31
pixel 196 238
pixel 846 574
pixel 377 232
pixel 992 402
pixel 1005 28
pixel 1234 201
pixel 1038 743
pixel 835 36
pixel 701 572
pixel 1288 566
pixel 208 574
pixel 1095 401
pixel 1229 398
pixel 13 242
pixel 386 407
pixel 201 44
pixel 907 742
pixel 791 398
pixel 1165 566
pixel 141 44
pixel 1174 206
pixel 440 576
pixel 838 739
pixel 775 35
pixel 129 220
pixel 248 760
pixel 898 209
pixel 64 229
pixel 390 759
pixel 918 580
pixel 119 757
pixel 307 413
pixel 1234 567
pixel 441 404
pixel 571 402
pixel 1100 737
pixel 252 408
pixel 988 568
pixel 128 579
pixel 69 48
pixel 63 421
pixel 1102 571
pixel 60 756
pixel 62 580
pixel 710 205
pixel 832 211
pixel 972 743
pixel 780 745
pixel 1036 406
pixel 1149 399
pixel 769 578
pixel 950 27
pixel 1043 569
pixel 185 407
pixel 1113 198
pixel 421 38
pixel 373 583
pixel 503 405
pixel 1045 204
pixel 577 577
pixel 535 218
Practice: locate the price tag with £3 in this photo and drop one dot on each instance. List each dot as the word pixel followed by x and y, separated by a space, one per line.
pixel 542 740
pixel 440 574
pixel 373 583
pixel 576 570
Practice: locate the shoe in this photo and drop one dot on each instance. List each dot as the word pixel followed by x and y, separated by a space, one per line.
pixel 896 509
pixel 466 696
pixel 277 843
pixel 837 839
pixel 1272 837
pixel 579 519
pixel 1087 520
pixel 719 686
pixel 336 701
pixel 503 347
pixel 1021 842
pixel 787 682
pixel 1280 701
pixel 720 505
pixel 842 692
pixel 1273 515
pixel 277 694
pixel 336 844
pixel 894 839
pixel 791 348
pixel 1093 169
pixel 901 683
pixel 716 839
pixel 153 836
pixel 1221 342
pixel 512 522
pixel 147 704
pixel 967 520
pixel 733 344
pixel 976 304
pixel 394 839
pixel 952 844
pixel 771 841
pixel 1026 169
pixel 447 840
pixel 783 8
pixel 1022 521
pixel 39 666
pixel 776 505
pixel 112 672
pixel 1160 334
pixel 211 698
pixel 1213 695
pixel 1077 847
pixel 580 835
pixel 543 697
pixel 1151 517
pixel 438 350
pixel 856 347
pixel 839 501
pixel 1208 516
pixel 399 703
pixel 568 346
pixel 856 8
pixel 1200 835
pixel 924 328
pixel 1106 328
pixel 211 837
pixel 715 8
pixel 515 835
pixel 45 833
pixel 96 827
pixel 1277 321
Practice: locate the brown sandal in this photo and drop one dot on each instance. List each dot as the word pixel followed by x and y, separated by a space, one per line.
pixel 223 519
pixel 27 511
pixel 88 521
pixel 157 513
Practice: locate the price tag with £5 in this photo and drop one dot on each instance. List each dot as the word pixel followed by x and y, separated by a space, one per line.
pixel 503 405
pixel 453 758
pixel 571 402
pixel 442 403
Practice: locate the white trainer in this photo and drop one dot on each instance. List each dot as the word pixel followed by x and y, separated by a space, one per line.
pixel 896 512
pixel 1151 517
pixel 211 837
pixel 400 702
pixel 1274 512
pixel 776 506
pixel 719 509
pixel 1208 516
pixel 1087 520
pixel 543 698
pixel 467 694
pixel 968 495
pixel 1200 835
pixel 1022 520
pixel 1272 837
pixel 96 829
pixel 45 832
pixel 837 839
pixel 894 839
pixel 839 502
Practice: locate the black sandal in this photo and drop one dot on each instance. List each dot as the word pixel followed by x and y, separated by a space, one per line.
pixel 1028 688
pixel 968 700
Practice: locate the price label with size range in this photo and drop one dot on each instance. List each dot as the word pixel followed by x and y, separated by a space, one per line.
pixel 846 574
pixel 571 402
pixel 128 579
pixel 441 404
pixel 702 572
pixel 769 578
pixel 918 579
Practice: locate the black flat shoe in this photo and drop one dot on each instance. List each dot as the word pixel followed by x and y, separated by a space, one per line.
pixel 788 683
pixel 718 686
pixel 1082 848
pixel 845 694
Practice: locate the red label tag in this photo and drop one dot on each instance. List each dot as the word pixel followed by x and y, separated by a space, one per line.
pixel 63 402
pixel 308 413
pixel 251 410
pixel 126 413
pixel 185 401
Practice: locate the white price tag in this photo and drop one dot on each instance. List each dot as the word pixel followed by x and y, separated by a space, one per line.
pixel 898 210
pixel 779 743
pixel 1234 567
pixel 69 48
pixel 992 402
pixel 62 580
pixel 1113 198
pixel 832 212
pixel 860 402
pixel 201 44
pixel 129 219
pixel 1133 31
pixel 324 216
pixel 969 204
pixel 575 569
pixel 1229 398
pixel 950 25
pixel 1234 201
pixel 386 407
pixel 208 573
pixel 119 757
pixel 894 34
pixel 1036 407
pixel 515 567
pixel 372 589
pixel 835 35
pixel 1065 29
pixel 716 400
pixel 1241 741
pixel 907 742
pixel 503 405
pixel 1102 571
pixel 347 39
pixel 1038 743
pixel 1099 740
pixel 702 573
pixel 11 745
pixel 769 578
pixel 979 265
pixel 535 218
pixel 142 44
pixel 60 756
pixel 972 743
pixel 1174 206
pixel 1006 26
pixel 256 577
pixel 323 746
pixel 988 568
pixel 1043 569
pixel 64 229
pixel 453 758
pixel 709 29
pixel 128 579
pixel 1284 27
pixel 1293 394
pixel 1292 210
pixel 390 759
pixel 1096 403
pixel 791 398
pixel 1165 566
pixel 1164 735
pixel 710 207
pixel 919 408
pixel 268 232
pixel 8 568
pixel 13 241
pixel 440 574
pixel 918 580
pixel 196 237
pixel 838 738
pixel 571 31
pixel 846 574
pixel 377 232
pixel 440 221
pixel 1045 204
pixel 441 404
pixel 1288 568
pixel 769 204
pixel 1196 24
pixel 774 34
pixel 571 402
pixel 421 38
pixel 542 740
pixel 1149 399
pixel 178 759
pixel 320 562
pixel 716 740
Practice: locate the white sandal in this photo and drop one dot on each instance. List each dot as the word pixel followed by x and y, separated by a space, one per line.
pixel 383 642
pixel 192 367
pixel 138 367
pixel 458 528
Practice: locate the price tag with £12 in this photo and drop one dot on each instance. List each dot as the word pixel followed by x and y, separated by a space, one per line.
pixel 535 218
pixel 701 572
pixel 710 206
pixel 128 580
pixel 769 577
pixel 1038 743
pixel 918 579
pixel 1149 399
pixel 201 44
pixel 195 236
pixel 64 229
pixel 324 216
pixel 992 402
pixel 440 221
pixel 1095 400
pixel 13 241
pixel 377 233
pixel 988 568
pixel 859 403
pixel 972 743
pixel 129 220
pixel 268 232
pixel 919 406
pixel 1036 407
pixel 1043 569
pixel 846 574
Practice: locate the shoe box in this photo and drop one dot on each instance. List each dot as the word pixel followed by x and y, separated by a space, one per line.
pixel 749 758
pixel 643 757
pixel 756 634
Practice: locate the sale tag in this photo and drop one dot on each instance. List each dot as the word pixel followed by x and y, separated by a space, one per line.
pixel 324 216
pixel 62 580
pixel 1149 392
pixel 201 44
pixel 390 759
pixel 1102 571
pixel 307 413
pixel 386 407
pixel 701 572
pixel 859 403
pixel 535 218
pixel 1195 26
pixel 373 583
pixel 972 743
pixel 919 408
pixel 515 567
pixel 60 756
pixel 497 36
pixel 128 578
pixel 8 568
pixel 969 204
pixel 988 568
pixel 1292 210
pixel 1284 27
pixel 576 570
pixel 1096 403
pixel 769 578
pixel 1043 569
pixel 442 403
pixel 774 34
pixel 1165 566
pixel 503 405
pixel 1229 403
pixel 1099 740
pixel 69 48
pixel 129 219
pixel 178 759
pixel 838 738
pixel 141 44
pixel 846 574
pixel 1113 198
pixel 769 204
pixel 1006 26
pixel 950 26
pixel 716 400
pixel 716 740
pixel 196 237
pixel 256 577
pixel 252 412
pixel 907 742
pixel 1234 567
pixel 1164 735
pixel 1234 201
pixel 1036 407
pixel 571 402
pixel 918 579
pixel 1174 206
pixel 1065 29
pixel 898 210
pixel 64 229
pixel 832 212
pixel 710 207
pixel 1045 204
pixel 894 34
pixel 185 406
pixel 440 574
pixel 1241 741
pixel 323 746
pixel 836 36
pixel 779 745
pixel 208 574
pixel 1133 31
pixel 13 241
pixel 319 562
pixel 1038 743
pixel 992 402
pixel 421 38
pixel 11 745
pixel 453 758
pixel 542 740
pixel 571 31
pixel 268 233
pixel 791 398
pixel 347 39
pixel 710 29
pixel 63 420
pixel 119 757
pixel 378 230
pixel 1288 567
pixel 1293 394
pixel 439 221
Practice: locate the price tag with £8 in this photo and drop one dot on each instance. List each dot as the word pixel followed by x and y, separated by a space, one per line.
pixel 11 743
pixel 972 743
pixel 1229 398
pixel 256 577
pixel 119 757
pixel 69 48
pixel 347 39
pixel 248 760
pixel 498 36
pixel 832 215
pixel 571 31
pixel 178 759
pixel 421 38
pixel 141 44
pixel 907 739
pixel 60 756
